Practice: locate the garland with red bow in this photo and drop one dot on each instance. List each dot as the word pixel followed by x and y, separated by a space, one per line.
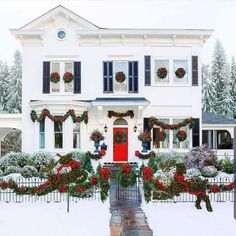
pixel 46 113
pixel 96 156
pixel 129 113
pixel 144 156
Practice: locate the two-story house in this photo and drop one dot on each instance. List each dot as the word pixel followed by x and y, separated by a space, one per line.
pixel 86 77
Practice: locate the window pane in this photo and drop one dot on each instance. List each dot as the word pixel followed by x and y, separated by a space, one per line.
pixel 76 135
pixel 161 144
pixel 58 140
pixel 181 64
pixel 56 67
pixel 57 127
pixel 121 67
pixel 55 87
pixel 69 68
pixel 160 64
pixel 42 126
pixel 176 142
pixel 42 140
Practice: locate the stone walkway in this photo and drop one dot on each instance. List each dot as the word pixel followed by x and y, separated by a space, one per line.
pixel 127 216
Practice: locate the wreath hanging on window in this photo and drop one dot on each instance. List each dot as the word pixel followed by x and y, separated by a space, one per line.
pixel 181 135
pixel 180 72
pixel 161 136
pixel 120 77
pixel 68 77
pixel 55 77
pixel 162 72
pixel 120 137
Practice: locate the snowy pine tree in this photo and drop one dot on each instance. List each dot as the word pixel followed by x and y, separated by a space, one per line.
pixel 14 90
pixel 233 83
pixel 220 82
pixel 4 78
pixel 208 91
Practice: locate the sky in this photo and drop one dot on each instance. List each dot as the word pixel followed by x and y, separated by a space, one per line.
pixel 207 14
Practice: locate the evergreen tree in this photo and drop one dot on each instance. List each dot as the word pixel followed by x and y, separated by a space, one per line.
pixel 220 81
pixel 14 90
pixel 208 91
pixel 4 78
pixel 233 82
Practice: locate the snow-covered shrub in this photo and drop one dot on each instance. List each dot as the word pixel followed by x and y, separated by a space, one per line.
pixel 209 171
pixel 19 159
pixel 84 159
pixel 228 165
pixel 77 155
pixel 12 169
pixel 41 159
pixel 193 173
pixel 1 173
pixel 43 173
pixel 165 157
pixel 199 157
pixel 29 171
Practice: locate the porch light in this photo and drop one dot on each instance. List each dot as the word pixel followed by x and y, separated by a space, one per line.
pixel 14 130
pixel 105 128
pixel 135 128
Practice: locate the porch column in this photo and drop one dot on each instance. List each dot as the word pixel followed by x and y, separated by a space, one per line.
pixel 215 139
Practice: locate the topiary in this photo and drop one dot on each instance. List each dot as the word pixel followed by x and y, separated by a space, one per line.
pixel 29 171
pixel 209 171
pixel 12 169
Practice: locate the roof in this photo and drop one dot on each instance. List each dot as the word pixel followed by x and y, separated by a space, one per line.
pixel 211 118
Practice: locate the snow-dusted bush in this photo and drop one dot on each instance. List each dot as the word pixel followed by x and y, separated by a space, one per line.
pixel 228 165
pixel 19 159
pixel 77 155
pixel 84 159
pixel 1 173
pixel 209 171
pixel 168 156
pixel 29 171
pixel 41 159
pixel 193 173
pixel 199 157
pixel 12 169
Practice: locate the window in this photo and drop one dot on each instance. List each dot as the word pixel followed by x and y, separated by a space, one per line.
pixel 181 65
pixel 61 34
pixel 61 68
pixel 58 135
pixel 161 64
pixel 120 66
pixel 176 143
pixel 224 140
pixel 166 142
pixel 76 136
pixel 42 134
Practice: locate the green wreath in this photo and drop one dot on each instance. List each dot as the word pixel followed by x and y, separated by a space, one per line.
pixel 181 135
pixel 162 72
pixel 126 176
pixel 55 77
pixel 120 77
pixel 180 72
pixel 68 77
pixel 120 137
pixel 161 136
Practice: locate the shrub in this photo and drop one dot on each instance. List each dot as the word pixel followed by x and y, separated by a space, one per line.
pixel 1 173
pixel 193 173
pixel 29 171
pixel 12 169
pixel 41 159
pixel 153 162
pixel 209 171
pixel 217 163
pixel 228 165
pixel 199 157
pixel 84 159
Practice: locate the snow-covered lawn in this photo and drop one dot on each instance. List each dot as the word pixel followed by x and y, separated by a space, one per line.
pixel 182 219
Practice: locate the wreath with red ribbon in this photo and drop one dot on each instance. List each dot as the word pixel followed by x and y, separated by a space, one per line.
pixel 181 135
pixel 162 72
pixel 68 77
pixel 97 156
pixel 120 77
pixel 180 72
pixel 126 176
pixel 161 136
pixel 55 77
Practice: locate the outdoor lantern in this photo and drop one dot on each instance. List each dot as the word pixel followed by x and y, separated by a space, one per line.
pixel 105 128
pixel 135 128
pixel 14 130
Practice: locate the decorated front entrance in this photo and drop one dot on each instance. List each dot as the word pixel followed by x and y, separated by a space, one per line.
pixel 120 144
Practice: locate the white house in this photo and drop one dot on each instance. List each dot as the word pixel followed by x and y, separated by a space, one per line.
pixel 61 41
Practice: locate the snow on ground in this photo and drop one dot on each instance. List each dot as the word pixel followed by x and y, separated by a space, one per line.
pixel 86 218
pixel 183 219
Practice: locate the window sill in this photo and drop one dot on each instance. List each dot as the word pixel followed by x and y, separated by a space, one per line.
pixel 171 85
pixel 61 94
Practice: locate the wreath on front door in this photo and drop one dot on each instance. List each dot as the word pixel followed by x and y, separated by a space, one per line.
pixel 120 136
pixel 120 77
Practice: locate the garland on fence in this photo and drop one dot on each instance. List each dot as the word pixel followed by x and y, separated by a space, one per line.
pixel 46 113
pixel 96 156
pixel 154 121
pixel 126 175
pixel 129 113
pixel 144 156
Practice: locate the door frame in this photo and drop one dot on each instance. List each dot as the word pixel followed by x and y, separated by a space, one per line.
pixel 120 126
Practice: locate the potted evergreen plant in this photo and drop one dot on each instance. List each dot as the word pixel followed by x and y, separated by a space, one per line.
pixel 145 137
pixel 96 136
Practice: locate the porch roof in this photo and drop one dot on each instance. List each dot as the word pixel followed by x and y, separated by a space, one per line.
pixel 211 118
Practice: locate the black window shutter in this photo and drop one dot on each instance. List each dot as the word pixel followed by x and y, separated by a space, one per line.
pixel 133 77
pixel 46 77
pixel 145 127
pixel 107 77
pixel 195 70
pixel 147 70
pixel 196 133
pixel 77 77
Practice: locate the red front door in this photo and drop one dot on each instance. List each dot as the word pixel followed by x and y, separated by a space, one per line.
pixel 120 144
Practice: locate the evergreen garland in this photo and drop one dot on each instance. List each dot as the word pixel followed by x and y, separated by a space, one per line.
pixel 129 113
pixel 46 113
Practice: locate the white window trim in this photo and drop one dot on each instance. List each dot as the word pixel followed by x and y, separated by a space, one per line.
pixel 72 145
pixel 171 82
